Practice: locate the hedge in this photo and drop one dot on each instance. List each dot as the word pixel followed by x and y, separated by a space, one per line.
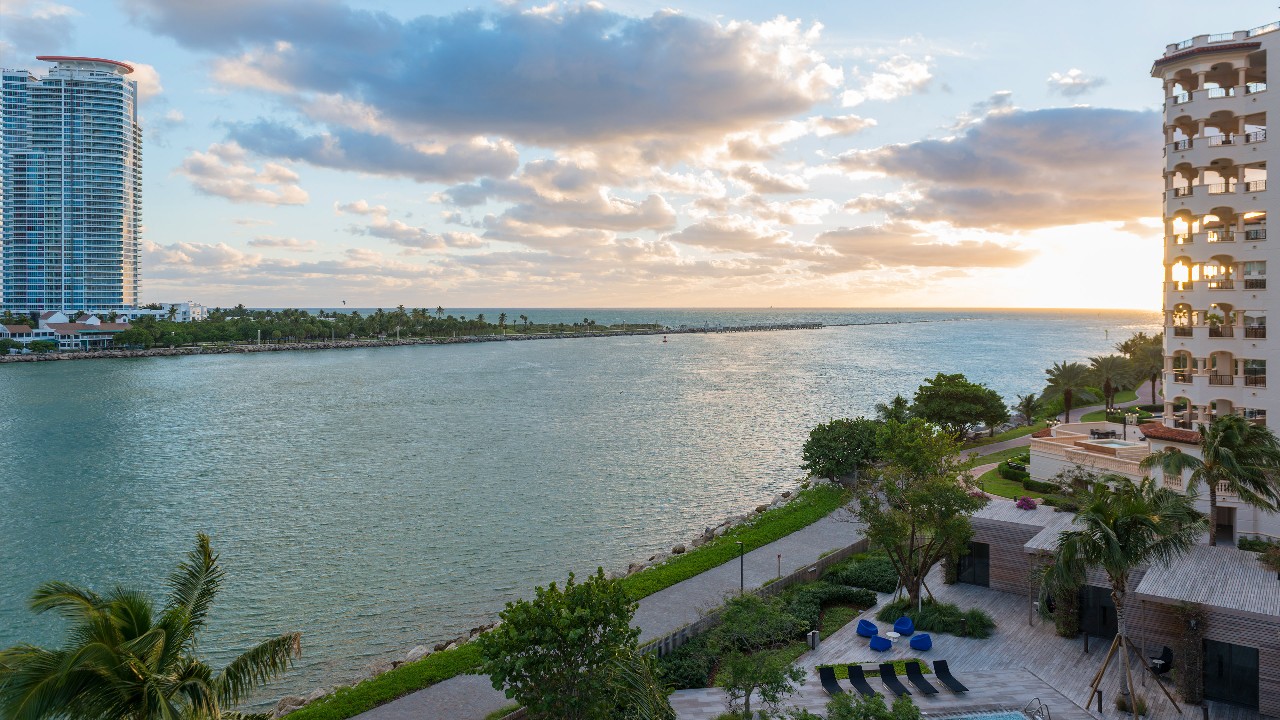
pixel 806 601
pixel 1040 486
pixel 940 617
pixel 873 572
pixel 1009 473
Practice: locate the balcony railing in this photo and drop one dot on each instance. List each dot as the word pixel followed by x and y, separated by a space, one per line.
pixel 1217 236
pixel 1217 140
pixel 1255 136
pixel 1254 87
pixel 1180 238
pixel 1181 98
pixel 1182 332
pixel 1255 186
pixel 1260 234
pixel 1256 332
pixel 1219 188
pixel 1221 284
pixel 1221 92
pixel 1181 145
pixel 1255 380
pixel 1182 285
pixel 1255 284
pixel 1220 379
pixel 1182 191
pixel 1182 377
pixel 1220 331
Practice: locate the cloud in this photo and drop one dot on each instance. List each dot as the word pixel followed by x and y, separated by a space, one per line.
pixel 252 221
pixel 378 154
pixel 839 125
pixel 762 180
pixel 360 207
pixel 148 79
pixel 903 244
pixel 223 171
pixel 733 233
pixel 571 74
pixel 1018 170
pixel 283 243
pixel 1073 83
pixel 899 76
pixel 31 27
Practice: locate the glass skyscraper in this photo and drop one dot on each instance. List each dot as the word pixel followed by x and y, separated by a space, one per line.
pixel 71 163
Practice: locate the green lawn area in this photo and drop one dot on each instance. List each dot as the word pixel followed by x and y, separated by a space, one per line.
pixel 836 617
pixel 390 685
pixel 1006 435
pixel 991 482
pixel 997 456
pixel 871 668
pixel 502 712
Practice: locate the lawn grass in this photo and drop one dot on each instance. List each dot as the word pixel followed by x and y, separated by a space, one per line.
pixel 392 684
pixel 998 456
pixel 502 712
pixel 1006 435
pixel 992 483
pixel 812 505
pixel 871 668
pixel 836 617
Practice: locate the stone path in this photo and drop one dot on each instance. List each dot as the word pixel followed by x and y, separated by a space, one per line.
pixel 471 697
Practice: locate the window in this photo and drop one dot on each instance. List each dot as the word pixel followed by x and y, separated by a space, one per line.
pixel 1255 267
pixel 975 567
pixel 1231 673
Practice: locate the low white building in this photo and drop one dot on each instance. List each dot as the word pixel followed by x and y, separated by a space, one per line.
pixel 189 311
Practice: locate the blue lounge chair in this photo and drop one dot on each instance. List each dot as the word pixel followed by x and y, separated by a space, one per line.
pixel 921 642
pixel 904 626
pixel 880 644
pixel 867 629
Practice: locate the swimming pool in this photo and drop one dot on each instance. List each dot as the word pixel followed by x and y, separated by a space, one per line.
pixel 996 715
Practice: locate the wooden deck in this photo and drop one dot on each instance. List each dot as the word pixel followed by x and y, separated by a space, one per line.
pixel 1019 662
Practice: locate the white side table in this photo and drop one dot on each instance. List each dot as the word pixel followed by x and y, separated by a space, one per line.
pixel 893 636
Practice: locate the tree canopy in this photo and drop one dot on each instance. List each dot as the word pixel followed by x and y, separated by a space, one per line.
pixel 840 448
pixel 1068 382
pixel 955 403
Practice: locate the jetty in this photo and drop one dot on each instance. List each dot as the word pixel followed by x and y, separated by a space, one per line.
pixel 234 348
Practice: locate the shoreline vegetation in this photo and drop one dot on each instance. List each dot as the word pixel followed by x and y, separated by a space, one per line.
pixel 796 511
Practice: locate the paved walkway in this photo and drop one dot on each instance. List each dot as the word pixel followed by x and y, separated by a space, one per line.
pixel 472 697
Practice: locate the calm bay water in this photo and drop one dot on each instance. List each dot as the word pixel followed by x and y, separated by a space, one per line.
pixel 378 499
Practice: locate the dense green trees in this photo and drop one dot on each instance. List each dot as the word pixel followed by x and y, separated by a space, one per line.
pixel 124 659
pixel 955 403
pixel 1111 374
pixel 1121 526
pixel 570 653
pixel 841 448
pixel 1029 407
pixel 1067 382
pixel 1235 454
pixel 917 508
pixel 752 628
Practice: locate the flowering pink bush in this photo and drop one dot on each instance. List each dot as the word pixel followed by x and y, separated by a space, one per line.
pixel 1026 503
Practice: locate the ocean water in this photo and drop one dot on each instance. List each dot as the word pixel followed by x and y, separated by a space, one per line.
pixel 379 499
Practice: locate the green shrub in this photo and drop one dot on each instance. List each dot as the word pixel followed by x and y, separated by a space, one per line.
pixel 1009 473
pixel 935 616
pixel 873 572
pixel 806 601
pixel 1040 486
pixel 1253 545
pixel 853 706
pixel 349 702
pixel 688 666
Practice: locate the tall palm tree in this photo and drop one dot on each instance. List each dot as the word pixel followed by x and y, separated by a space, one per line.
pixel 1069 381
pixel 1111 373
pixel 1029 406
pixel 1148 363
pixel 1121 526
pixel 1235 454
pixel 126 661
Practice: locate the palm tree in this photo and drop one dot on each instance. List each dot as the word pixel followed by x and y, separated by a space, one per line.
pixel 440 311
pixel 124 660
pixel 1148 363
pixel 1111 373
pixel 897 410
pixel 1029 406
pixel 1235 455
pixel 1068 381
pixel 1121 526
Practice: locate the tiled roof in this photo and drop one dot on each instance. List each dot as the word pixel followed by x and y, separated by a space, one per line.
pixel 73 328
pixel 1207 49
pixel 1002 510
pixel 1218 576
pixel 16 329
pixel 1047 432
pixel 1157 431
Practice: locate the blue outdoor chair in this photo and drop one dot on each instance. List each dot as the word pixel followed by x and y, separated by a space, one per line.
pixel 867 629
pixel 921 642
pixel 880 644
pixel 904 626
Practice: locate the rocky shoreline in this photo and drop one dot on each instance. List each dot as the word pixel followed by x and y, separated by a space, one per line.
pixel 229 349
pixel 290 703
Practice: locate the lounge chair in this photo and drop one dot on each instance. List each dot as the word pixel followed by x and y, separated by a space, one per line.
pixel 916 676
pixel 880 644
pixel 859 681
pixel 943 673
pixel 1165 663
pixel 890 680
pixel 828 677
pixel 867 629
pixel 904 626
pixel 922 642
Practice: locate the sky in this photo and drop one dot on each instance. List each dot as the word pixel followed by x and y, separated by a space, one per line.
pixel 636 154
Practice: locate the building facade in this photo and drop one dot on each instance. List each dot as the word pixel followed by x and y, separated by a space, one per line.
pixel 71 161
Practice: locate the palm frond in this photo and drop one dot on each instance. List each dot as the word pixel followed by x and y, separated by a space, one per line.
pixel 639 689
pixel 195 582
pixel 255 667
pixel 70 601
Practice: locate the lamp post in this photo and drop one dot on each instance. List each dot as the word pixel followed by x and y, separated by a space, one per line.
pixel 742 570
pixel 1129 418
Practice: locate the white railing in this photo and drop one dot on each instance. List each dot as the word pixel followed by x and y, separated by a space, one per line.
pixel 1263 29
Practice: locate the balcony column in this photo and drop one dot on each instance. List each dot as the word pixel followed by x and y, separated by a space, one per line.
pixel 1200 80
pixel 1200 127
pixel 1240 223
pixel 1241 72
pixel 1169 85
pixel 1240 125
pixel 1240 176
